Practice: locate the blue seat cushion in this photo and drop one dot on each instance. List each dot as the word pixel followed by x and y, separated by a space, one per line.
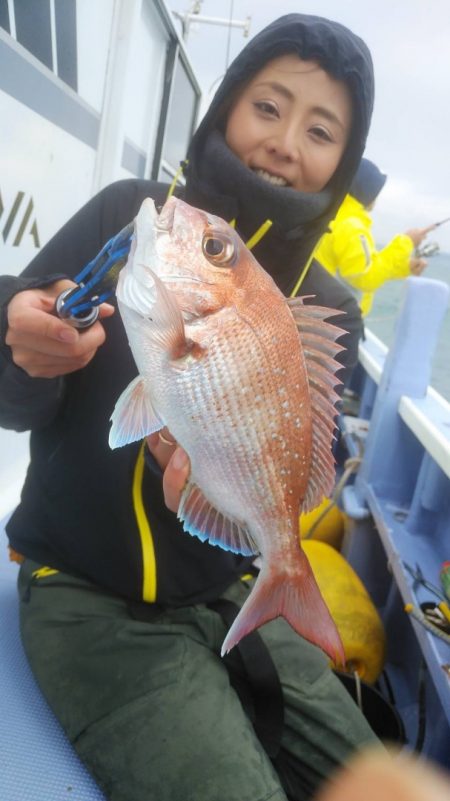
pixel 37 761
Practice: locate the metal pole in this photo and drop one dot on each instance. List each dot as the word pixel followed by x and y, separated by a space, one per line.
pixel 188 17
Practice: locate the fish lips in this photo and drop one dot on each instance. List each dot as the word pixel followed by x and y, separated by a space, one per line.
pixel 149 222
pixel 148 258
pixel 165 219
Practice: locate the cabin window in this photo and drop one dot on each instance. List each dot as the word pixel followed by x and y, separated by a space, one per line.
pixel 4 16
pixel 66 41
pixel 48 30
pixel 181 117
pixel 33 28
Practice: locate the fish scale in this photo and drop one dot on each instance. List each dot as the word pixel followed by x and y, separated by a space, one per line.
pixel 242 439
pixel 221 362
pixel 249 441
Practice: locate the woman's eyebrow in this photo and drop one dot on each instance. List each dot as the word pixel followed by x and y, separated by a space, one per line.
pixel 277 87
pixel 329 115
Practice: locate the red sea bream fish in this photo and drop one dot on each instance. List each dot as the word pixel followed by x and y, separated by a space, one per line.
pixel 244 380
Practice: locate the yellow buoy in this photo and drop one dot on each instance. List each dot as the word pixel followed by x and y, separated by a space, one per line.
pixel 351 608
pixel 329 529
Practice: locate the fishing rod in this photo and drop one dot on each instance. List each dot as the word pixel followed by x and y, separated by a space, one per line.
pixel 436 225
pixel 430 248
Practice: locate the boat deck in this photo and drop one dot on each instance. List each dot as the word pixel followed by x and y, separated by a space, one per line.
pixel 399 512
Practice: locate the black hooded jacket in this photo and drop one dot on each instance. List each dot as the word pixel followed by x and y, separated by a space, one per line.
pixel 99 513
pixel 296 229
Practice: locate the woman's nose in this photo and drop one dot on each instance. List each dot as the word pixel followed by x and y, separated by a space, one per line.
pixel 285 144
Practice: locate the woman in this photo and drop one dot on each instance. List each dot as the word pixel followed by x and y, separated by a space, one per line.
pixel 135 678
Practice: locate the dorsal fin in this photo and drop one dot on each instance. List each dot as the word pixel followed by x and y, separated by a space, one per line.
pixel 201 519
pixel 318 340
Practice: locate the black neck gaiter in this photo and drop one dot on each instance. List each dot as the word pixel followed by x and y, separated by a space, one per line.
pixel 221 184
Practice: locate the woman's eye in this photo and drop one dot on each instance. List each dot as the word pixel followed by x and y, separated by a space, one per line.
pixel 321 133
pixel 267 108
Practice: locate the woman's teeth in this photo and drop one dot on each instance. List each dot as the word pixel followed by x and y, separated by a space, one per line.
pixel 272 179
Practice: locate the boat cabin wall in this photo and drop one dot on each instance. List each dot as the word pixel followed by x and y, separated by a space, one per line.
pixel 90 92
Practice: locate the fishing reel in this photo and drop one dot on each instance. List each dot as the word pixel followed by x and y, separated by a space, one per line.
pixel 427 249
pixel 96 281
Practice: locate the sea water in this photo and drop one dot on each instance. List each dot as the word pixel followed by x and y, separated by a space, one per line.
pixel 388 299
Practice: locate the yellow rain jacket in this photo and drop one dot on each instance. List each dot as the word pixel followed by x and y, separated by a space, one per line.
pixel 349 253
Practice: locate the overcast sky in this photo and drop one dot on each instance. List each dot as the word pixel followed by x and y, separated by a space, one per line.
pixel 410 132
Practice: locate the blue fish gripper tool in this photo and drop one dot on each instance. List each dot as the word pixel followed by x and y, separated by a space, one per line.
pixel 96 281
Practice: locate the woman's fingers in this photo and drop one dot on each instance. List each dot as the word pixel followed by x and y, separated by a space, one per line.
pixel 38 365
pixel 417 265
pixel 161 445
pixel 175 476
pixel 174 461
pixel 43 345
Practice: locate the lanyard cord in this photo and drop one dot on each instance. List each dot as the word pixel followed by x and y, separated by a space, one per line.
pixel 302 276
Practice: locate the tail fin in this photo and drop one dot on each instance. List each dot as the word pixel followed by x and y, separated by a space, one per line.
pixel 298 600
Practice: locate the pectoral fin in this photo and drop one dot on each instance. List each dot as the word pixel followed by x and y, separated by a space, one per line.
pixel 133 417
pixel 160 321
pixel 160 318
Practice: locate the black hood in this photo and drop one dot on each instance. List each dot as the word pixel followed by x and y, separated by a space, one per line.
pixel 219 182
pixel 367 183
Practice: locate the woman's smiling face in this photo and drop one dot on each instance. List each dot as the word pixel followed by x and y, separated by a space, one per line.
pixel 291 123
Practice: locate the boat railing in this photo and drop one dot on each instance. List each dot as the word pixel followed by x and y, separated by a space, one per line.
pixel 398 507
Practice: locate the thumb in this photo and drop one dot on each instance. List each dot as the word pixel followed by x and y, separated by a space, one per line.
pixel 105 310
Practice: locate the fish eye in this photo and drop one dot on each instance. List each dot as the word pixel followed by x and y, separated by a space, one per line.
pixel 218 250
pixel 213 247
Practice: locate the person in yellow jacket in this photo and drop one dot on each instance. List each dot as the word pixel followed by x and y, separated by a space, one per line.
pixel 348 250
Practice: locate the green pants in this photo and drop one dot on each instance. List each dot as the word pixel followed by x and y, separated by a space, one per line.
pixel 149 708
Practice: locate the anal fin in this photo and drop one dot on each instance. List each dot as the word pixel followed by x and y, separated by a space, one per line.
pixel 201 519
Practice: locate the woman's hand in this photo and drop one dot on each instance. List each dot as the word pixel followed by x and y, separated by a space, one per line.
pixel 417 265
pixel 417 235
pixel 44 345
pixel 174 461
pixel 377 774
